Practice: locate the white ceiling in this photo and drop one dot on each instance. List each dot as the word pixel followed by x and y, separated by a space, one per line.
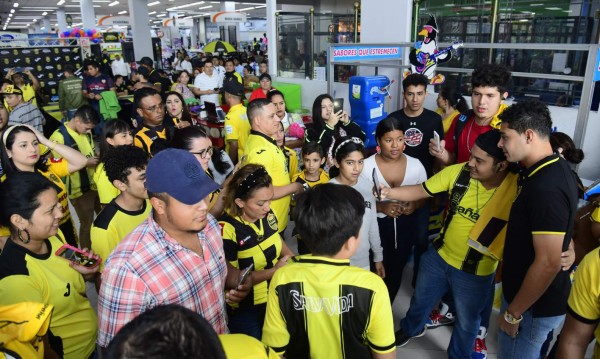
pixel 30 10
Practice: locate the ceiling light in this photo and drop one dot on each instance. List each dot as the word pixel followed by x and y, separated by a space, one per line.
pixel 157 22
pixel 260 6
pixel 43 28
pixel 34 20
pixel 44 13
pixel 113 3
pixel 122 12
pixel 186 5
pixel 537 4
pixel 161 15
pixel 567 11
pixel 60 2
pixel 152 13
pixel 449 4
pixel 468 8
pixel 246 8
pixel 153 3
pixel 12 11
pixel 553 8
pixel 97 6
pixel 16 4
pixel 205 7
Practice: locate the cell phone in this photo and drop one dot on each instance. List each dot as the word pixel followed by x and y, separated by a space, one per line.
pixel 436 138
pixel 376 182
pixel 78 256
pixel 245 274
pixel 338 105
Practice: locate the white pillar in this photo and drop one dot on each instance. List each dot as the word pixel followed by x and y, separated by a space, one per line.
pixel 88 15
pixel 140 30
pixel 228 6
pixel 61 19
pixel 194 33
pixel 202 29
pixel 390 26
pixel 271 31
pixel 46 24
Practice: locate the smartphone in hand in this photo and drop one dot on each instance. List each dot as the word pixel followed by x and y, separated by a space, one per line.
pixel 338 105
pixel 245 273
pixel 376 183
pixel 436 138
pixel 78 256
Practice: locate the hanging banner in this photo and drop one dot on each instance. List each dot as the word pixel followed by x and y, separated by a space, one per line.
pixel 113 20
pixel 173 22
pixel 225 16
pixel 361 53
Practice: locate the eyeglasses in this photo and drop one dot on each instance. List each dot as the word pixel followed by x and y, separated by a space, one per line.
pixel 156 108
pixel 205 152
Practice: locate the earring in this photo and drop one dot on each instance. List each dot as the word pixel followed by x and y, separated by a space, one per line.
pixel 20 235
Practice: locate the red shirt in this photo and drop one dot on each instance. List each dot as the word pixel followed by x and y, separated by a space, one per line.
pixel 466 140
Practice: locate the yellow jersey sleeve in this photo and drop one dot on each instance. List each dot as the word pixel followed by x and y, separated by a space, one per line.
pixel 19 288
pixel 241 346
pixel 595 217
pixel 232 131
pixel 230 245
pixel 380 332
pixel 58 166
pixel 25 325
pixel 585 293
pixel 275 332
pixel 102 243
pixel 106 191
pixel 443 181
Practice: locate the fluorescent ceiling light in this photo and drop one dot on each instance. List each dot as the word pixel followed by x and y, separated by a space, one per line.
pixel 152 13
pixel 537 4
pixel 113 3
pixel 122 12
pixel 97 6
pixel 186 5
pixel 34 20
pixel 12 11
pixel 469 8
pixel 60 2
pixel 553 8
pixel 161 15
pixel 16 4
pixel 205 7
pixel 153 3
pixel 448 5
pixel 567 11
pixel 247 8
pixel 44 13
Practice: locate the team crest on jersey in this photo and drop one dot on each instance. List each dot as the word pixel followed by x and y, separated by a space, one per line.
pixel 272 221
pixel 413 137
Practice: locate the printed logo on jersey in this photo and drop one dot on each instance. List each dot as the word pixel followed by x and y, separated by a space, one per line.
pixel 272 220
pixel 331 306
pixel 413 137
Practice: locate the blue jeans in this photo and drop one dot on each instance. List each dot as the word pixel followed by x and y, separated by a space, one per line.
pixel 247 320
pixel 532 335
pixel 421 218
pixel 469 291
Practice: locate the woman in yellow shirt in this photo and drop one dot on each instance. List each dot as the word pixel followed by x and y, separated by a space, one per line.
pixel 20 149
pixel 450 105
pixel 115 133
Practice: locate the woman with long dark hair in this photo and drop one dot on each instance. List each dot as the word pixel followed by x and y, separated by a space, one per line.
pixel 450 105
pixel 20 148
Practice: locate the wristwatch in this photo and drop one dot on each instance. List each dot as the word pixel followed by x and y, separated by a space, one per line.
pixel 510 319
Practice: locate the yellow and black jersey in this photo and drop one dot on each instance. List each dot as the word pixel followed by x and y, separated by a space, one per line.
pixel 23 326
pixel 106 191
pixel 584 299
pixel 291 159
pixel 214 196
pixel 29 277
pixel 242 346
pixel 320 307
pixel 453 245
pixel 301 178
pixel 146 135
pixel 257 243
pixel 263 150
pixel 237 128
pixel 112 225
pixel 82 180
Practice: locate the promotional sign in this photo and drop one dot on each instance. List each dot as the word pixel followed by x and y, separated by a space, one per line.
pixel 225 16
pixel 119 20
pixel 363 53
pixel 174 21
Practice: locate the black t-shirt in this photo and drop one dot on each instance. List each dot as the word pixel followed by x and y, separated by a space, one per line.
pixel 417 133
pixel 546 203
pixel 165 83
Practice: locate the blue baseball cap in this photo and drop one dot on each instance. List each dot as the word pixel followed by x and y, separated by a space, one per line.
pixel 178 174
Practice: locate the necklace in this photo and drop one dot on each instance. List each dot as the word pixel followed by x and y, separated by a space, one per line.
pixel 477 208
pixel 469 136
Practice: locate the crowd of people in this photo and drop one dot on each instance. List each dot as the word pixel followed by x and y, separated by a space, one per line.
pixel 189 245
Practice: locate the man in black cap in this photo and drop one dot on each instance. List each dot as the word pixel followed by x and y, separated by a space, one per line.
pixel 265 87
pixel 452 263
pixel 23 112
pixel 237 126
pixel 160 83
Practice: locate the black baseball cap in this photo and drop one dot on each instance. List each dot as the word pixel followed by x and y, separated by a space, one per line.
pixel 234 87
pixel 146 61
